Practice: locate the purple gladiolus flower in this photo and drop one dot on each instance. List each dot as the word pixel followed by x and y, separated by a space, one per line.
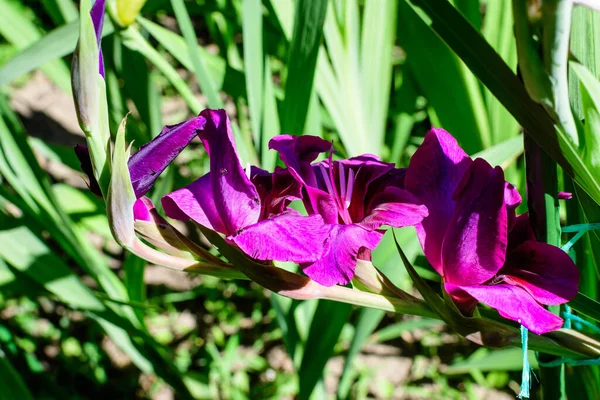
pixel 355 197
pixel 472 237
pixel 248 206
pixel 146 165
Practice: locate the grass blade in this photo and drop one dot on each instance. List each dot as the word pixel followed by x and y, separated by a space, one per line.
pixel 253 62
pixel 325 328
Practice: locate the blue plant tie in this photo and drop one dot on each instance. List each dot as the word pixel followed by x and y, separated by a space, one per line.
pixel 526 374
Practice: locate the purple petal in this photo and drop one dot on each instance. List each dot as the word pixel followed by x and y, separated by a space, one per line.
pixel 285 237
pixel 142 208
pixel 514 303
pixel 83 154
pixel 342 247
pixel 196 202
pixel 474 247
pixel 231 196
pixel 394 207
pixel 97 15
pixel 545 271
pixel 435 171
pixel 150 161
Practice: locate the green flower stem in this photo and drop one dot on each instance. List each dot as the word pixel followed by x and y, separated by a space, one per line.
pixel 556 21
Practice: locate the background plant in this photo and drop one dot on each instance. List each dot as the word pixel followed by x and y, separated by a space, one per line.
pixel 373 77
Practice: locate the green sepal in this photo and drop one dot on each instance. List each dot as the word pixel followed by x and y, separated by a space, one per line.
pixel 121 197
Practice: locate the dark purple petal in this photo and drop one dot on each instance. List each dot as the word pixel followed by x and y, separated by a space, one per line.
pixel 520 232
pixel 276 190
pixel 196 202
pixel 342 247
pixel 97 15
pixel 297 152
pixel 232 192
pixel 150 161
pixel 545 271
pixel 435 171
pixel 394 207
pixel 474 247
pixel 142 208
pixel 514 303
pixel 285 237
pixel 83 154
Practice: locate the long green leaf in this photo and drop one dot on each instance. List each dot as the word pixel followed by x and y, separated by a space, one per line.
pixel 253 62
pixel 368 320
pixel 325 328
pixel 444 82
pixel 12 385
pixel 306 40
pixel 19 30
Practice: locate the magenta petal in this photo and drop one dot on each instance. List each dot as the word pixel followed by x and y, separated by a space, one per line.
pixel 195 201
pixel 142 208
pixel 394 207
pixel 515 303
pixel 285 237
pixel 565 195
pixel 236 197
pixel 150 161
pixel 474 247
pixel 342 247
pixel 435 171
pixel 513 199
pixel 545 271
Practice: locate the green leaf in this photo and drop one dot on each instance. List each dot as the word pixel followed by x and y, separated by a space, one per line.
pixel 253 61
pixel 18 29
pixel 590 104
pixel 306 40
pixel 439 74
pixel 496 360
pixel 325 328
pixel 586 306
pixel 12 385
pixel 368 319
pixel 585 46
pixel 206 85
pixel 503 153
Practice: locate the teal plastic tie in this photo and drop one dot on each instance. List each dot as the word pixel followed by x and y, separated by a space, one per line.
pixel 526 374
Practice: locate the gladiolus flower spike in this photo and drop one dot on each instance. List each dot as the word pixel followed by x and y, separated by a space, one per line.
pixel 472 237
